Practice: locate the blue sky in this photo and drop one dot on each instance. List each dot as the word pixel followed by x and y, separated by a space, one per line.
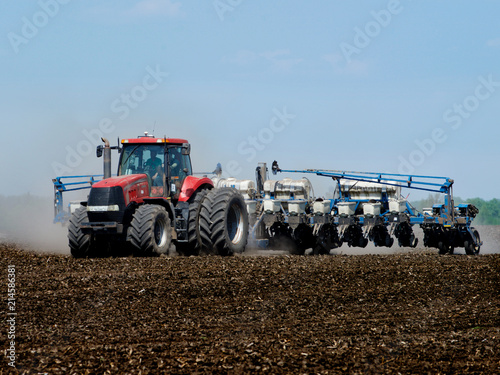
pixel 383 86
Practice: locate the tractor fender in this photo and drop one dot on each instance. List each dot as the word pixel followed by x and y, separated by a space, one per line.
pixel 192 184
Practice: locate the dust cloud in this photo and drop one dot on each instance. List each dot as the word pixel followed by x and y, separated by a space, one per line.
pixel 28 221
pixel 490 235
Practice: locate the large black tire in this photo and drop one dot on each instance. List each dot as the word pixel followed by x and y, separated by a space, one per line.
pixel 470 248
pixel 295 249
pixel 204 226
pixel 229 221
pixel 150 231
pixel 442 248
pixel 445 248
pixel 327 238
pixel 196 244
pixel 79 243
pixel 303 238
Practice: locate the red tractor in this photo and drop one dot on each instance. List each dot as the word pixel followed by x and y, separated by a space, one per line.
pixel 155 202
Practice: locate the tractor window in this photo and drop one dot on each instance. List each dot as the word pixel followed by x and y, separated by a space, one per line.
pixel 154 164
pixel 131 160
pixel 180 168
pixel 147 159
pixel 180 165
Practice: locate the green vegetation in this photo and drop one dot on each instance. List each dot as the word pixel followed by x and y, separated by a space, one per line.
pixel 489 211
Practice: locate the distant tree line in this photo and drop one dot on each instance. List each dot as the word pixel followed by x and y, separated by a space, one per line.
pixel 489 211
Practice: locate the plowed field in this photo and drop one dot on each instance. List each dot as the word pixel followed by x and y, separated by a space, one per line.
pixel 415 312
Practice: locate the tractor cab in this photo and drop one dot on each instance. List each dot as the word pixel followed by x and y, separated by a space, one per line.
pixel 165 162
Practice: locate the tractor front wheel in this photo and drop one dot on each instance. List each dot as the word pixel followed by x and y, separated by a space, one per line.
pixel 150 231
pixel 79 243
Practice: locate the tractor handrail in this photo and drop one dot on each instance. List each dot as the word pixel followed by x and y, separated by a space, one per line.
pixel 60 185
pixel 60 215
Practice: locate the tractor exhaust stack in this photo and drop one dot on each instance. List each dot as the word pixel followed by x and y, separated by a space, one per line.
pixel 107 159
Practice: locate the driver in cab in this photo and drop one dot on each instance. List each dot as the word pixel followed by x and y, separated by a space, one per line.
pixel 154 168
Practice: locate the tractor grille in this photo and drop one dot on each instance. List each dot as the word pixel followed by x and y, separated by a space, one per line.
pixel 106 204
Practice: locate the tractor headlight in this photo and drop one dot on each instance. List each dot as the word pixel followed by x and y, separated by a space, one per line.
pixel 112 207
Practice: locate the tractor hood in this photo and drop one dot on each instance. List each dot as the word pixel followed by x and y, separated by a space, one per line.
pixel 125 182
pixel 109 198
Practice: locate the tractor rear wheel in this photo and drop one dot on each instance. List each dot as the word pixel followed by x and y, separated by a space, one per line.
pixel 229 221
pixel 79 243
pixel 196 227
pixel 204 223
pixel 150 231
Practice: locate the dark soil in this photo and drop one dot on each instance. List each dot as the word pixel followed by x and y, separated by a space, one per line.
pixel 405 313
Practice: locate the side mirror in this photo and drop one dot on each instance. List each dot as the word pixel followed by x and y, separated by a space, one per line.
pixel 98 151
pixel 186 149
